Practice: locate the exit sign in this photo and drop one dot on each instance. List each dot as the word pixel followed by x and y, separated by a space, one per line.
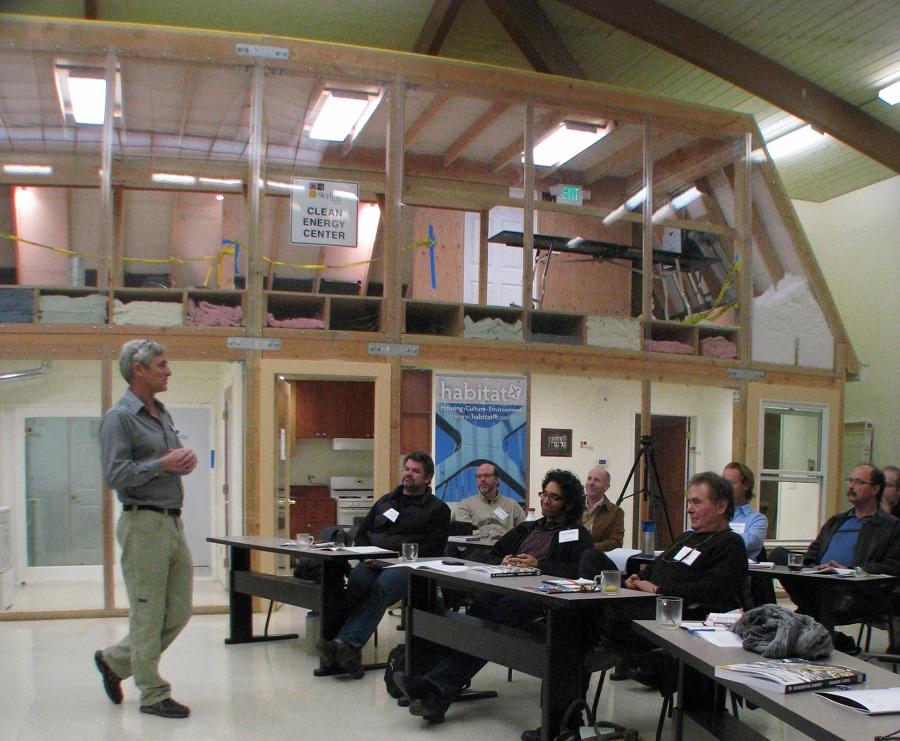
pixel 570 194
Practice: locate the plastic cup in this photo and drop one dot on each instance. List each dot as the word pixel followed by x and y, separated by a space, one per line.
pixel 668 612
pixel 608 582
pixel 304 539
pixel 795 561
pixel 409 551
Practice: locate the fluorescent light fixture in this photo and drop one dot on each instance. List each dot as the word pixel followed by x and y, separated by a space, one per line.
pixel 891 93
pixel 165 177
pixel 566 141
pixel 220 197
pixel 636 200
pixel 338 113
pixel 683 199
pixel 226 182
pixel 28 169
pixel 795 141
pixel 284 186
pixel 82 93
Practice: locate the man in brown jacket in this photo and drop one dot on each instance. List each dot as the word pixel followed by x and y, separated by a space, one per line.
pixel 602 519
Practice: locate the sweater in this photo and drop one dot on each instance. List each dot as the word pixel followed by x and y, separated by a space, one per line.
pixel 422 519
pixel 562 559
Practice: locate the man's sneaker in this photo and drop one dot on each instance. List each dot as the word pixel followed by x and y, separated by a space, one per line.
pixel 413 688
pixel 111 682
pixel 348 659
pixel 167 708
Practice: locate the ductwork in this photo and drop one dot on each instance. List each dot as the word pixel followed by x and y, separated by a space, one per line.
pixel 30 373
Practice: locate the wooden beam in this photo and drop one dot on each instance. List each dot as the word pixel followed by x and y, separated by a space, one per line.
pixel 715 52
pixel 358 129
pixel 437 26
pixel 685 165
pixel 496 110
pixel 535 36
pixel 187 95
pixel 418 126
pixel 483 255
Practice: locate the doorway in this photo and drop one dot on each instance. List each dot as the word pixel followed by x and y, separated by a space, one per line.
pixel 670 451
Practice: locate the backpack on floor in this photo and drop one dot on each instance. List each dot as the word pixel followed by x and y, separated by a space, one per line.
pixel 396 661
pixel 603 730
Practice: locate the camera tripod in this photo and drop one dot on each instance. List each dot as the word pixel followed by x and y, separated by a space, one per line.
pixel 651 488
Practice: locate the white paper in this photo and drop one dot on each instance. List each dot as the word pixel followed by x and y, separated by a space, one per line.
pixel 368 550
pixel 738 527
pixel 873 702
pixel 568 536
pixel 723 638
pixel 501 513
pixel 391 514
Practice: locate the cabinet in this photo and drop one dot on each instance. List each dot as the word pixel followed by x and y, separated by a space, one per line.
pixel 312 509
pixel 328 409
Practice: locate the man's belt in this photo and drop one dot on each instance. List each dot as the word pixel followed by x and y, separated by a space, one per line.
pixel 136 507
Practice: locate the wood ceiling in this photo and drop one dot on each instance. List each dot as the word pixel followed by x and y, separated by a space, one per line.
pixel 781 61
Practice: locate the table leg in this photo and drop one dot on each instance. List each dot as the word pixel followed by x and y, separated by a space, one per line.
pixel 563 682
pixel 240 612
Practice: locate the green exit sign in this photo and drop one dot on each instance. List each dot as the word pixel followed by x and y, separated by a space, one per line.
pixel 570 194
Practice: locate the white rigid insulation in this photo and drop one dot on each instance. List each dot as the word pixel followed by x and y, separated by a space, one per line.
pixel 614 332
pixel 789 327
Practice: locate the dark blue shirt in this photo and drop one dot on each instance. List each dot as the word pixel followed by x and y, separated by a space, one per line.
pixel 843 543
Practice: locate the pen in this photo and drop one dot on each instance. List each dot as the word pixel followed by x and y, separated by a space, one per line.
pixel 705 629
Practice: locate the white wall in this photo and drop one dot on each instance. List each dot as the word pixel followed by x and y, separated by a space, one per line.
pixel 856 240
pixel 601 413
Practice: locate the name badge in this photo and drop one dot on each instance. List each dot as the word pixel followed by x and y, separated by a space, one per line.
pixel 687 555
pixel 501 514
pixel 391 514
pixel 738 527
pixel 567 536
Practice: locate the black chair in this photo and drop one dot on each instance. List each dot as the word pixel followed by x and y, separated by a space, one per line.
pixel 762 589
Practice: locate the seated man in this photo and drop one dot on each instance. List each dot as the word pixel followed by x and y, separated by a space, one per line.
pixel 890 502
pixel 705 566
pixel 408 514
pixel 604 520
pixel 554 544
pixel 488 511
pixel 864 536
pixel 747 522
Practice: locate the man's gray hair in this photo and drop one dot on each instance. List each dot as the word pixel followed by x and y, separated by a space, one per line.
pixel 137 351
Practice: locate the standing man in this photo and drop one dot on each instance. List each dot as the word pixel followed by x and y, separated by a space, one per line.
pixel 488 511
pixel 602 519
pixel 143 460
pixel 409 514
pixel 747 522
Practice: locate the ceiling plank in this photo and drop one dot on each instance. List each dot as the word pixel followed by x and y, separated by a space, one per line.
pixel 187 95
pixel 535 36
pixel 474 131
pixel 418 126
pixel 437 26
pixel 714 52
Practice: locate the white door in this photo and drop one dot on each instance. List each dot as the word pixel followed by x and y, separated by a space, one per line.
pixel 504 263
pixel 193 425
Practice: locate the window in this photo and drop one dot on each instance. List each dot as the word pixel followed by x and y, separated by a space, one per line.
pixel 791 475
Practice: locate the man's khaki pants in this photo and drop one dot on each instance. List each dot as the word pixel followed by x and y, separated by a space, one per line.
pixel 158 573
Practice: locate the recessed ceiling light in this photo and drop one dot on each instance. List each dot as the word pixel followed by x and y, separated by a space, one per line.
pixel 891 93
pixel 220 197
pixel 337 113
pixel 567 140
pixel 227 182
pixel 28 169
pixel 82 93
pixel 683 199
pixel 795 141
pixel 165 177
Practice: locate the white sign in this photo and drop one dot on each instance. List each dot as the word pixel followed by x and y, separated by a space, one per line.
pixel 324 212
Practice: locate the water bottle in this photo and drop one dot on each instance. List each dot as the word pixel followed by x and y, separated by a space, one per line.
pixel 312 632
pixel 530 515
pixel 648 538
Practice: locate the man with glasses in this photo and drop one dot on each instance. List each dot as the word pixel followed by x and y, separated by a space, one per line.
pixel 864 536
pixel 489 512
pixel 554 544
pixel 890 502
pixel 143 460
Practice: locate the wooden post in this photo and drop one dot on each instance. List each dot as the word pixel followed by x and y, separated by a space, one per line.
pixel 743 250
pixel 104 264
pixel 528 219
pixel 646 305
pixel 107 510
pixel 483 255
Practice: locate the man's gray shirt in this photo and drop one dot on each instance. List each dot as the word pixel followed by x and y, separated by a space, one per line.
pixel 132 441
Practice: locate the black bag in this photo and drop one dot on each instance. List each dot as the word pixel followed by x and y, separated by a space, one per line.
pixel 604 730
pixel 396 662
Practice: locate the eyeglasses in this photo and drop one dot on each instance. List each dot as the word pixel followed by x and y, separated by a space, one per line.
pixel 853 482
pixel 552 497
